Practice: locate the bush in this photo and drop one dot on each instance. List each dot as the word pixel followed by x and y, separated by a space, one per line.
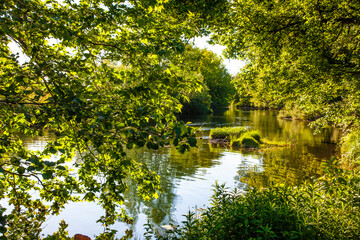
pixel 253 134
pixel 328 208
pixel 297 112
pixel 246 142
pixel 350 149
pixel 227 132
pixel 236 143
pixel 249 142
pixel 249 139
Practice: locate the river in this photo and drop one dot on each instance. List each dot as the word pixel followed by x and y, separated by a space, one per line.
pixel 187 179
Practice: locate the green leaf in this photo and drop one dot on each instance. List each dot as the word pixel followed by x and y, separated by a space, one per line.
pixel 47 175
pixel 34 159
pixel 15 161
pixel 31 168
pixel 129 145
pixel 53 150
pixel 176 142
pixel 178 131
pixel 21 170
pixel 155 146
pixel 140 143
pixel 149 145
pixel 192 142
pixel 61 167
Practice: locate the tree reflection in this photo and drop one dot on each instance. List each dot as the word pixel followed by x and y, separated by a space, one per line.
pixel 171 166
pixel 291 166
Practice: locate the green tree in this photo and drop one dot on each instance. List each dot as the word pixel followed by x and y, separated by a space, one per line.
pixel 217 91
pixel 300 53
pixel 217 79
pixel 70 86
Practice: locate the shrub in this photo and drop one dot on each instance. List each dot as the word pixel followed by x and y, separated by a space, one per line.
pixel 249 142
pixel 227 132
pixel 328 208
pixel 249 139
pixel 350 149
pixel 246 142
pixel 236 143
pixel 253 134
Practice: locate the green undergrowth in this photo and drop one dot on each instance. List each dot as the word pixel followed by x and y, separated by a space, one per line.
pixel 326 208
pixel 350 149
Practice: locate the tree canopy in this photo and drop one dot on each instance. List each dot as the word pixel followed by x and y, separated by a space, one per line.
pixel 103 76
pixel 97 77
pixel 217 91
pixel 300 53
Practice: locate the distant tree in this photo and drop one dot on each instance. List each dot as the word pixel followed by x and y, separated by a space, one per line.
pixel 217 79
pixel 218 91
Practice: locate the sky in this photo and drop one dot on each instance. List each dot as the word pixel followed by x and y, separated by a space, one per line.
pixel 232 65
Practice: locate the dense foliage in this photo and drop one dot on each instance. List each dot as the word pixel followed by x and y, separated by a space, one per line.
pixel 101 76
pixel 299 53
pixel 218 91
pixel 65 82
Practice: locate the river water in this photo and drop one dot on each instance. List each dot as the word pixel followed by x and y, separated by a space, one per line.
pixel 187 179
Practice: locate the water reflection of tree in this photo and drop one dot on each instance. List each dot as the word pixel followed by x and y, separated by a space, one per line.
pixel 282 166
pixel 286 165
pixel 275 128
pixel 171 166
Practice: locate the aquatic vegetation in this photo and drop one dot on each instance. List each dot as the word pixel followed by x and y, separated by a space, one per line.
pixel 227 132
pixel 249 142
pixel 250 139
pixel 241 137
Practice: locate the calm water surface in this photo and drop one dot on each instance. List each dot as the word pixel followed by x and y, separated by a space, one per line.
pixel 187 179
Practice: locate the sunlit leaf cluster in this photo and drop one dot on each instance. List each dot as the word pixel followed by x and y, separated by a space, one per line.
pixel 98 77
pixel 303 54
